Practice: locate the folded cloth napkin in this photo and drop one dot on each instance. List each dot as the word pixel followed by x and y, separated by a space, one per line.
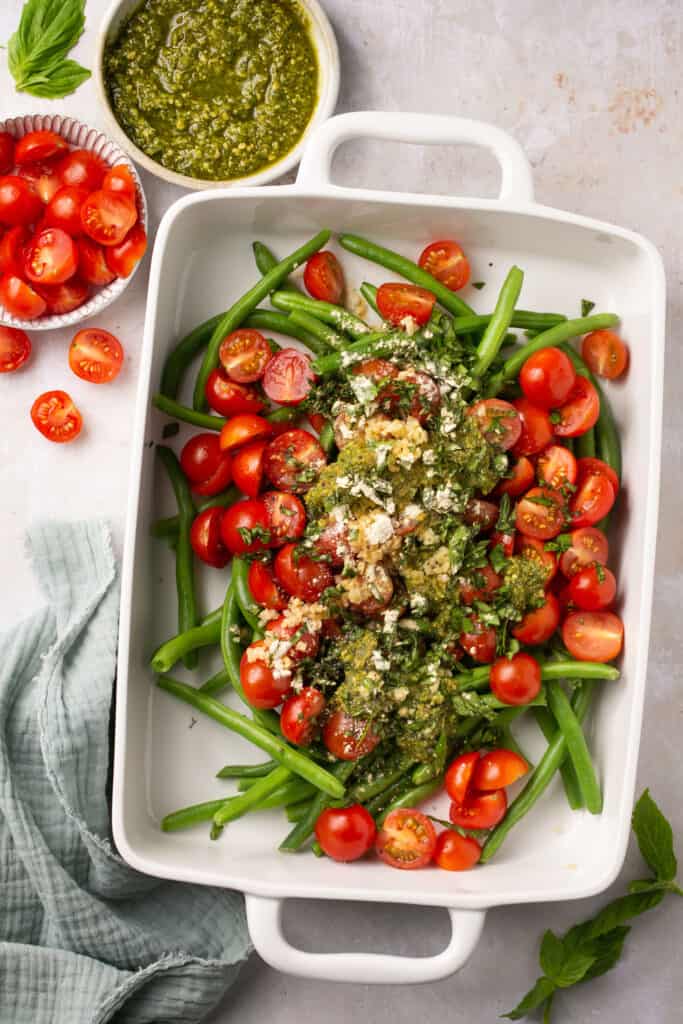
pixel 83 937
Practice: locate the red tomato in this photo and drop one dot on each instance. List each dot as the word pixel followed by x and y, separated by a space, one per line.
pixel 537 430
pixel 588 464
pixel 516 680
pixel 64 209
pixel 247 467
pixel 298 718
pixel 424 397
pixel 211 468
pixel 95 355
pixel 348 738
pixel 605 354
pixel 39 145
pixel 230 399
pixel 244 354
pixel 406 840
pixel 64 297
pixel 12 250
pixel 547 378
pixel 505 541
pixel 107 217
pixel 300 575
pixel 520 479
pixel 302 643
pixel 20 299
pixel 333 542
pixel 92 265
pixel 288 377
pixel 593 636
pixel 397 301
pixel 593 588
pixel 539 624
pixel 122 259
pixel 454 852
pixel 262 687
pixel 459 776
pixel 498 421
pixel 497 769
pixel 530 547
pixel 589 545
pixel 205 538
pixel 345 833
pixel 81 167
pixel 447 263
pixel 479 642
pixel 480 810
pixel 120 179
pixel 56 417
pixel 243 428
pixel 6 152
pixel 42 179
pixel 19 203
pixel 286 517
pixel 292 461
pixel 556 467
pixel 264 589
pixel 592 500
pixel 244 527
pixel 50 257
pixel 15 348
pixel 581 410
pixel 481 584
pixel 324 277
pixel 317 421
pixel 540 513
pixel 379 370
pixel 482 514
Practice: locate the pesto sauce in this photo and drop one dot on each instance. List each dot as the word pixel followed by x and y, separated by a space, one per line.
pixel 214 89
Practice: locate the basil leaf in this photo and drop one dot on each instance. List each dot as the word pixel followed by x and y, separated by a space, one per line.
pixel 607 949
pixel 542 990
pixel 64 80
pixel 552 954
pixel 655 838
pixel 37 51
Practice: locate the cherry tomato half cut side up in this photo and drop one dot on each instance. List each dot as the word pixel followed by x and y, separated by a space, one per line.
pixel 454 852
pixel 581 410
pixel 50 257
pixel 499 421
pixel 301 642
pixel 20 299
pixel 447 263
pixel 42 179
pixel 92 265
pixel 95 355
pixel 593 636
pixel 299 716
pixel 300 575
pixel 81 167
pixel 231 399
pixel 397 301
pixel 244 428
pixel 539 624
pixel 247 467
pixel 6 152
pixel 19 203
pixel 540 513
pixel 588 545
pixel 556 467
pixel 293 461
pixel 406 840
pixel 531 547
pixel 262 687
pixel 107 217
pixel 244 355
pixel 345 833
pixel 480 810
pixel 122 259
pixel 516 680
pixel 39 145
pixel 498 768
pixel 592 500
pixel 64 297
pixel 15 348
pixel 592 589
pixel 589 464
pixel 244 527
pixel 264 588
pixel 605 354
pixel 537 430
pixel 120 179
pixel 288 377
pixel 56 417
pixel 205 538
pixel 521 478
pixel 459 776
pixel 348 738
pixel 324 277
pixel 286 517
pixel 547 378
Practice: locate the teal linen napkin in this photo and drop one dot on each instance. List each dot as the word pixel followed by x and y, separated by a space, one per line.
pixel 84 938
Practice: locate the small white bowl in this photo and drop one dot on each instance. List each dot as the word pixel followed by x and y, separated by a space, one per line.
pixel 80 136
pixel 327 53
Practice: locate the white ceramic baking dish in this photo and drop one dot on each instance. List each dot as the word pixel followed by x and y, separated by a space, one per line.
pixel 163 759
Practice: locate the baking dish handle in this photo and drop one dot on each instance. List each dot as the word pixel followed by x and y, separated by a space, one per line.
pixel 430 129
pixel 264 917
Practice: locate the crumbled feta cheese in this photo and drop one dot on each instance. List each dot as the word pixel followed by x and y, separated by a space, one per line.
pixel 364 388
pixel 429 457
pixel 390 619
pixel 399 693
pixel 381 663
pixel 410 325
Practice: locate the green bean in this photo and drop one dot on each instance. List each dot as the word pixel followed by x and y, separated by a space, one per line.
pixel 187 415
pixel 192 815
pixel 293 791
pixel 169 527
pixel 262 788
pixel 369 293
pixel 496 329
pixel 335 316
pixel 565 668
pixel 182 355
pixel 577 747
pixel 548 727
pixel 216 683
pixel 245 602
pixel 522 318
pixel 237 313
pixel 265 262
pixel 187 600
pixel 297 812
pixel 294 760
pixel 380 343
pixel 376 805
pixel 553 336
pixel 325 334
pixel 364 791
pixel 585 444
pixel 326 439
pixel 411 797
pixel 304 828
pixel 179 646
pixel 406 268
pixel 246 771
pixel 267 320
pixel 232 655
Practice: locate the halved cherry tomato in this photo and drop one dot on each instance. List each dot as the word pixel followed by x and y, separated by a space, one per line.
pixel 539 624
pixel 537 430
pixel 15 348
pixel 107 217
pixel 243 428
pixel 244 527
pixel 498 768
pixel 588 545
pixel 286 517
pixel 262 687
pixel 459 776
pixel 64 209
pixel 547 378
pixel 288 377
pixel 201 457
pixel 231 399
pixel 300 575
pixel 92 265
pixel 244 355
pixel 39 145
pixel 498 421
pixel 317 421
pixel 56 417
pixel 247 467
pixel 479 642
pixel 589 464
pixel 605 354
pixel 64 297
pixel 50 257
pixel 592 500
pixel 480 810
pixel 479 585
pixel 540 513
pixel 122 259
pixel 324 277
pixel 556 467
pixel 42 179
pixel 19 203
pixel 516 680
pixel 20 299
pixel 264 588
pixel 531 547
pixel 454 852
pixel 81 167
pixel 303 643
pixel 417 395
pixel 520 479
pixel 333 542
pixel 378 370
pixel 6 152
pixel 504 540
pixel 580 411
pixel 406 840
pixel 482 514
pixel 397 301
pixel 292 461
pixel 348 738
pixel 205 538
pixel 95 355
pixel 593 588
pixel 345 833
pixel 446 262
pixel 12 250
pixel 120 179
pixel 593 636
pixel 299 716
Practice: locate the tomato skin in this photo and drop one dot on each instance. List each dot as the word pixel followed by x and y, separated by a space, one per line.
pixel 589 545
pixel 537 430
pixel 459 776
pixel 521 479
pixel 288 377
pixel 264 588
pixel 120 179
pixel 247 467
pixel 480 810
pixel 425 401
pixel 243 428
pixel 376 369
pixel 581 410
pixel 498 768
pixel 589 464
pixel 122 259
pixel 15 348
pixel 406 840
pixel 324 277
pixel 540 513
pixel 245 515
pixel 480 585
pixel 230 399
pixel 20 299
pixel 348 738
pixel 19 204
pixel 592 500
pixel 64 209
pixel 539 624
pixel 396 301
pixel 593 636
pixel 454 852
pixel 6 152
pixel 345 833
pixel 262 688
pixel 51 257
pixel 592 589
pixel 479 642
pixel 39 145
pixel 298 718
pixel 64 297
pixel 605 354
pixel 286 517
pixel 81 167
pixel 317 421
pixel 547 378
pixel 498 420
pixel 482 514
pixel 504 540
pixel 107 217
pixel 92 265
pixel 301 576
pixel 333 542
pixel 200 457
pixel 556 467
pixel 516 680
pixel 56 417
pixel 292 461
pixel 446 261
pixel 41 179
pixel 244 354
pixel 531 547
pixel 12 250
pixel 205 538
pixel 95 355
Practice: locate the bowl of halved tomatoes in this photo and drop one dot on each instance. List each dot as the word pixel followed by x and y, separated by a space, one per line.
pixel 73 221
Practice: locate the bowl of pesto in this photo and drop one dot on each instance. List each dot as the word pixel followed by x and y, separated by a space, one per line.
pixel 216 92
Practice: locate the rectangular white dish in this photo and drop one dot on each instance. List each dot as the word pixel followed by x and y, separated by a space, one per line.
pixel 202 261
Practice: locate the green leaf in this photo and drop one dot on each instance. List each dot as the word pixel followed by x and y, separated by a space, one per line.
pixel 547 1010
pixel 586 307
pixel 575 967
pixel 607 950
pixel 655 838
pixel 64 80
pixel 616 913
pixel 47 31
pixel 552 954
pixel 650 885
pixel 542 990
